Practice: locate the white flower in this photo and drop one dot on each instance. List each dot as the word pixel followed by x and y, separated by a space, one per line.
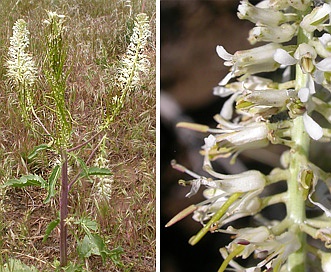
pixel 274 250
pixel 305 55
pixel 248 62
pixel 278 34
pixel 251 180
pixel 322 45
pixel 248 236
pixel 251 183
pixel 263 104
pixel 315 20
pixel 260 15
pixel 231 139
pixel 236 88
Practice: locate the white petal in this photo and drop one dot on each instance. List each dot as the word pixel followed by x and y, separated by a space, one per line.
pixel 222 91
pixel 311 85
pixel 244 182
pixel 227 109
pixel 313 129
pixel 325 39
pixel 303 94
pixel 283 57
pixel 324 65
pixel 223 54
pixel 319 76
pixel 226 79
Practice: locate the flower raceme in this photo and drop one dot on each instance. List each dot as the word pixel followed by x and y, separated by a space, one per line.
pixel 259 112
pixel 21 69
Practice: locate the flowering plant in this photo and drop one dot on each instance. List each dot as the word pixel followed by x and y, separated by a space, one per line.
pixel 268 112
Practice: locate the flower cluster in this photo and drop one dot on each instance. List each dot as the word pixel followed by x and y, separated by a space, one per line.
pixel 135 61
pixel 132 65
pixel 259 112
pixel 21 71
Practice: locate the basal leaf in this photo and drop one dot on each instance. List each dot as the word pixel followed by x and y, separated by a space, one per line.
pixel 27 180
pixel 17 265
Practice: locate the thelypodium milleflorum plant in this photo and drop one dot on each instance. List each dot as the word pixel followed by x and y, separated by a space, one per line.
pixel 298 39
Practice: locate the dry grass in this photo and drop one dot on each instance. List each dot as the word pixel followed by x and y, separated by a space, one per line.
pixel 98 33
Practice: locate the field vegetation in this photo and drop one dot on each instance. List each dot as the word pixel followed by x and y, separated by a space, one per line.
pixel 100 140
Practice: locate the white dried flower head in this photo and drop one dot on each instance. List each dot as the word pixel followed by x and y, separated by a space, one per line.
pixel 103 188
pixel 103 185
pixel 21 67
pixel 135 60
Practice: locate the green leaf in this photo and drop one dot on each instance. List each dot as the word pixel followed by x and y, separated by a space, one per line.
pixel 51 183
pixel 96 171
pixel 115 255
pixel 72 267
pixel 37 149
pixel 88 224
pixel 83 166
pixel 87 247
pixel 17 265
pixel 51 226
pixel 94 245
pixel 27 180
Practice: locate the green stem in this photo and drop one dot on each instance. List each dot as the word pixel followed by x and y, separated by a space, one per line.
pixel 217 216
pixel 299 153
